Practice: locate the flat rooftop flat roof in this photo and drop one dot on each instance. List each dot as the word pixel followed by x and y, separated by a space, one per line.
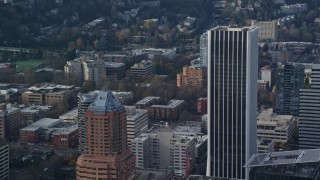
pixel 148 99
pixel 283 158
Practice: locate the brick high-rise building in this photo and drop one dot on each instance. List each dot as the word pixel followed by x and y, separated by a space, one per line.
pixel 107 155
pixel 194 76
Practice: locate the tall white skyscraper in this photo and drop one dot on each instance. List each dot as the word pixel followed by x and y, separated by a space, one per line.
pixel 232 100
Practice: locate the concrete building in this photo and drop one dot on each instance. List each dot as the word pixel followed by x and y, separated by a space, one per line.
pixel 123 97
pixel 204 49
pixel 309 112
pixel 33 113
pixel 266 74
pixel 107 155
pixel 263 85
pixel 70 116
pixel 192 76
pixel 163 149
pixel 115 70
pixel 137 122
pixel 232 100
pixel 202 107
pixel 290 79
pixel 278 128
pixel 293 165
pixel 4 162
pixel 94 70
pixel 265 145
pixel 170 112
pixel 74 68
pixel 268 30
pixel 49 94
pixel 144 68
pixel 156 53
pixel 147 102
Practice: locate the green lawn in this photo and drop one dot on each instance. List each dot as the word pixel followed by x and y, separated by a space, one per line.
pixel 31 63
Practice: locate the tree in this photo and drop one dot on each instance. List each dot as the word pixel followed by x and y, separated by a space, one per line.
pixel 80 43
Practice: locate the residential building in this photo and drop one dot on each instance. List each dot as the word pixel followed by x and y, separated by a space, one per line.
pixel 94 70
pixel 10 95
pixel 7 68
pixel 290 79
pixel 74 68
pixel 49 94
pixel 268 30
pixel 192 76
pixel 147 102
pixel 293 165
pixel 137 122
pixel 170 112
pixel 202 106
pixel 279 128
pixel 144 68
pixel 204 49
pixel 4 162
pixel 33 113
pixel 232 100
pixel 107 155
pixel 309 112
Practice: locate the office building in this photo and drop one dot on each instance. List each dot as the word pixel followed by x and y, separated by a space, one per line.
pixel 10 122
pixel 115 70
pixel 309 112
pixel 278 128
pixel 266 74
pixel 144 68
pixel 293 165
pixel 137 122
pixel 94 70
pixel 4 162
pixel 74 69
pixel 268 30
pixel 232 100
pixel 84 100
pixel 33 113
pixel 204 49
pixel 192 76
pixel 290 79
pixel 107 155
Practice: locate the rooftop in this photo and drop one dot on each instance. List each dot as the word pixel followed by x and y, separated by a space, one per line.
pixel 42 123
pixel 233 28
pixel 151 174
pixel 35 108
pixel 133 113
pixel 148 99
pixel 70 115
pixel 113 64
pixel 172 104
pixel 284 157
pixel 105 102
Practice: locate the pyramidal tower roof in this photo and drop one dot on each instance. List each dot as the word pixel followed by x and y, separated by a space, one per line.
pixel 106 102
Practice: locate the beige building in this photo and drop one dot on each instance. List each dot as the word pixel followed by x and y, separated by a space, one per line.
pixel 278 128
pixel 192 76
pixel 48 94
pixel 265 145
pixel 267 29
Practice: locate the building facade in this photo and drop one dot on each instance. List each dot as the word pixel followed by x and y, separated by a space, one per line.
pixel 202 106
pixel 137 122
pixel 232 100
pixel 309 112
pixel 107 155
pixel 290 79
pixel 192 76
pixel 268 30
pixel 4 162
pixel 144 68
pixel 170 112
pixel 204 49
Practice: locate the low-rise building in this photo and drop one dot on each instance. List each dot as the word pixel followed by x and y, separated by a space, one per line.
pixel 268 30
pixel 156 53
pixel 115 70
pixel 171 111
pixel 70 116
pixel 278 128
pixel 192 76
pixel 263 85
pixel 33 113
pixel 7 68
pixel 123 97
pixel 144 68
pixel 10 95
pixel 49 94
pixel 265 145
pixel 147 102
pixel 294 8
pixel 54 131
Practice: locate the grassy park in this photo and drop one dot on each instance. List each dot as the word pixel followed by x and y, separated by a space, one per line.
pixel 30 63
